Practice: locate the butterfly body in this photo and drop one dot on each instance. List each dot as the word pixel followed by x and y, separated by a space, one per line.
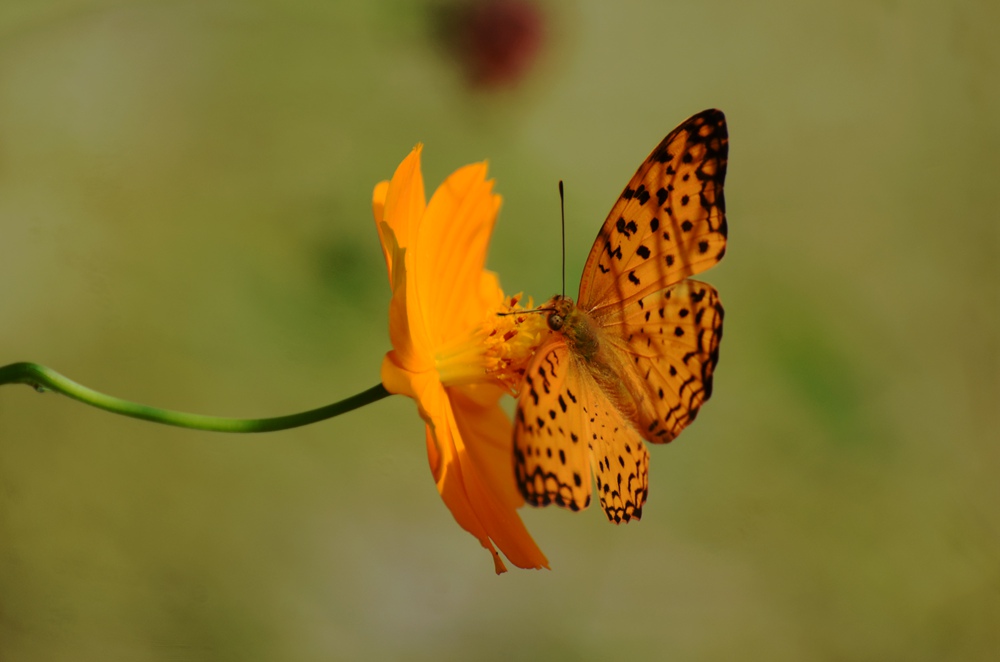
pixel 591 349
pixel 633 358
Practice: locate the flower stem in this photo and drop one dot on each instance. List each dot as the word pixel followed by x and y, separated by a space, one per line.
pixel 46 379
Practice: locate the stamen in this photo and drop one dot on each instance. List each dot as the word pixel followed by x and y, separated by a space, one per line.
pixel 498 351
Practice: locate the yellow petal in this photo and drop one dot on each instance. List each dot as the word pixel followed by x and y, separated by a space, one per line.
pixel 378 211
pixel 488 295
pixel 487 435
pixel 407 331
pixel 425 389
pixel 404 201
pixel 482 438
pixel 466 486
pixel 450 252
pixel 395 378
pixel 435 408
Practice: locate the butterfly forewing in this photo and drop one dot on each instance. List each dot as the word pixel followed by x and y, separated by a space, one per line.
pixel 671 339
pixel 551 462
pixel 670 221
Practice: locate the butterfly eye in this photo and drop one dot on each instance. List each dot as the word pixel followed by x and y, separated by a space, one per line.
pixel 555 321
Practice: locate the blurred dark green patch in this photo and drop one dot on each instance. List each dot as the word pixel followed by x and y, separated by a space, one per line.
pixel 821 374
pixel 354 272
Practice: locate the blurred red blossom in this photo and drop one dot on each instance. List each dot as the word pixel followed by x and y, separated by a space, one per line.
pixel 495 41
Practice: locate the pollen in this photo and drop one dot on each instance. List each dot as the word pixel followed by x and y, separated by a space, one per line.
pixel 508 356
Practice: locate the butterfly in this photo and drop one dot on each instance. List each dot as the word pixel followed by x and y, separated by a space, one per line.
pixel 632 359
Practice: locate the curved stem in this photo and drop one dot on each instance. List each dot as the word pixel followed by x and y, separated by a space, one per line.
pixel 46 379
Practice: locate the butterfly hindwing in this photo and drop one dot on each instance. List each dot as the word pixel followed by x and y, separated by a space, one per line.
pixel 618 458
pixel 565 428
pixel 671 341
pixel 670 221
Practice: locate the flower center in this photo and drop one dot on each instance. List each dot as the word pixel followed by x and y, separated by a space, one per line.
pixel 497 351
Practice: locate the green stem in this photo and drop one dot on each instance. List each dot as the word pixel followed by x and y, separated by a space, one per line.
pixel 46 379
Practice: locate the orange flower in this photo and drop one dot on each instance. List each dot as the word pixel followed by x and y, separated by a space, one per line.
pixel 452 353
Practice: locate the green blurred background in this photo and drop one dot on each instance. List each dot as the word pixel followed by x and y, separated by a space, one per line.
pixel 185 221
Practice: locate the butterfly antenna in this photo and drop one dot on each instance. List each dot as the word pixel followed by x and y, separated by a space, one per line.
pixel 525 312
pixel 562 216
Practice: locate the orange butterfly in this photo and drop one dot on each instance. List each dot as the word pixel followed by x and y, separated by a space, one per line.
pixel 633 358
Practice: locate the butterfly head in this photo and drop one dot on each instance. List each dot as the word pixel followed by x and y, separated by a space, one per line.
pixel 560 308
